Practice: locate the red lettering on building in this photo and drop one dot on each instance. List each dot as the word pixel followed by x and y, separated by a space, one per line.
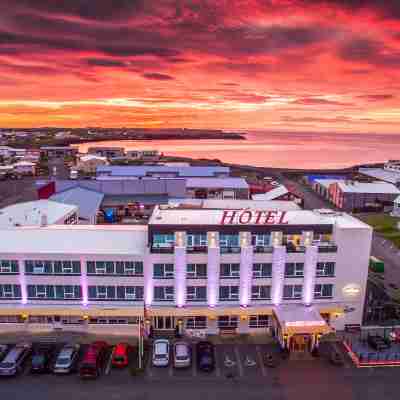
pixel 282 219
pixel 228 217
pixel 258 215
pixel 270 218
pixel 248 214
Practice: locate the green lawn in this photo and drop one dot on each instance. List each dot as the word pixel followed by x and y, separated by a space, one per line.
pixel 385 225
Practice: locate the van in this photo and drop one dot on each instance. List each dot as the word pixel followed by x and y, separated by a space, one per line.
pixel 93 360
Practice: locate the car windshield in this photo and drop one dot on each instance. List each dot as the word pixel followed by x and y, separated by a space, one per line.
pixel 161 348
pixel 181 352
pixel 63 361
pixel 6 365
pixel 38 359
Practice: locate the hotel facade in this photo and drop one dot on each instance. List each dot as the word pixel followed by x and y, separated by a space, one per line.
pixel 294 274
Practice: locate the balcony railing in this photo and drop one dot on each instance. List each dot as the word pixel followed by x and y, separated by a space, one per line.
pixel 327 248
pixel 196 249
pixel 162 250
pixel 230 250
pixel 263 249
pixel 291 248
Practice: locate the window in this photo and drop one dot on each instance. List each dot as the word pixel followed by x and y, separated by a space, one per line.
pixel 8 291
pixel 50 267
pixel 261 239
pixel 263 270
pixel 196 239
pixel 228 240
pixel 132 268
pixel 101 292
pixel 227 293
pixel 11 319
pixel 198 322
pixel 227 321
pixel 326 269
pixel 294 270
pixel 196 293
pixel 163 240
pixel 8 267
pixel 259 321
pixel 324 291
pixel 261 292
pixel 130 293
pixel 292 291
pixel 196 271
pixel 163 293
pixel 230 271
pixel 57 292
pixel 163 271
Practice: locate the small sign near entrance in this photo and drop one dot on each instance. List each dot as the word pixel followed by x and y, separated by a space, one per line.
pixel 253 217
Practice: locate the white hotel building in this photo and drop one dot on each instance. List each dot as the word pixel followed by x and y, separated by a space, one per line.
pixel 293 273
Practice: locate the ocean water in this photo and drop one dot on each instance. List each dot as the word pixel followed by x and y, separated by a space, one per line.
pixel 277 149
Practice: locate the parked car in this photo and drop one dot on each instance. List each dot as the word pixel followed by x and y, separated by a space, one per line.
pixel 182 355
pixel 12 363
pixel 42 359
pixel 205 356
pixel 66 359
pixel 378 343
pixel 121 355
pixel 93 360
pixel 3 350
pixel 160 353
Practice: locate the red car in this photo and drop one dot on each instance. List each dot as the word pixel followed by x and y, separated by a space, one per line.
pixel 121 355
pixel 93 361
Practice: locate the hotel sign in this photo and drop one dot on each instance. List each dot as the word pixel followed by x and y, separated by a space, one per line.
pixel 253 217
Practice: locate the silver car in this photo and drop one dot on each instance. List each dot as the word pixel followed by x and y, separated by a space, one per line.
pixel 66 359
pixel 14 359
pixel 182 355
pixel 160 353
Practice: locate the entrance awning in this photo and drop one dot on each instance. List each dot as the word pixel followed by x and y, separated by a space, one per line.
pixel 300 319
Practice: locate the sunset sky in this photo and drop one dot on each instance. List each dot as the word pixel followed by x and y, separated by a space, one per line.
pixel 307 65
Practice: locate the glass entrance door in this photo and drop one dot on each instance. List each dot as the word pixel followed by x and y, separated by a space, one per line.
pixel 163 323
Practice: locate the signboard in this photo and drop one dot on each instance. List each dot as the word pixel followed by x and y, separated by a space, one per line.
pixel 253 217
pixel 351 290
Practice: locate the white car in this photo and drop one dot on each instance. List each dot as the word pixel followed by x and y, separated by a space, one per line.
pixel 13 361
pixel 66 359
pixel 182 355
pixel 160 353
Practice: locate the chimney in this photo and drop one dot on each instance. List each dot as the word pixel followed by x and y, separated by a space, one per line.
pixel 43 220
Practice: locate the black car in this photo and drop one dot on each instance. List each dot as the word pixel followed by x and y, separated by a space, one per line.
pixel 42 359
pixel 205 356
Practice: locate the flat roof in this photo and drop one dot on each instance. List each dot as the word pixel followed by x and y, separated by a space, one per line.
pixel 88 201
pixel 31 212
pixel 75 239
pixel 368 188
pixel 272 194
pixel 178 216
pixel 219 204
pixel 381 174
pixel 217 183
pixel 293 315
pixel 143 170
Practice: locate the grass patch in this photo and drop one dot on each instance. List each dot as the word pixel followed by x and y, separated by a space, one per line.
pixel 384 224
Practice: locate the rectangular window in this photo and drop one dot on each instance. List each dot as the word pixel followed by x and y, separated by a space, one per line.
pixel 323 291
pixel 196 240
pixel 196 293
pixel 259 321
pixel 227 293
pixel 294 270
pixel 230 270
pixel 261 239
pixel 326 269
pixel 42 292
pixel 100 268
pixel 8 291
pixel 228 240
pixel 131 268
pixel 130 293
pixel 228 321
pixel 163 293
pixel 50 267
pixel 197 322
pixel 162 240
pixel 262 270
pixel 8 266
pixel 163 271
pixel 292 291
pixel 196 271
pixel 261 292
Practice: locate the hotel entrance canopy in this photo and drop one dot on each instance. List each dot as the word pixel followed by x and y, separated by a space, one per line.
pixel 300 319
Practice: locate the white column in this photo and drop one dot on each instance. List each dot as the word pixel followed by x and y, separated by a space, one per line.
pixel 310 267
pixel 84 282
pixel 180 269
pixel 278 273
pixel 22 281
pixel 246 268
pixel 213 267
pixel 148 278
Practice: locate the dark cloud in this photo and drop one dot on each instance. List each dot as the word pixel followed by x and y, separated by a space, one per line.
pixel 127 50
pixel 315 101
pixel 158 77
pixel 377 97
pixel 105 62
